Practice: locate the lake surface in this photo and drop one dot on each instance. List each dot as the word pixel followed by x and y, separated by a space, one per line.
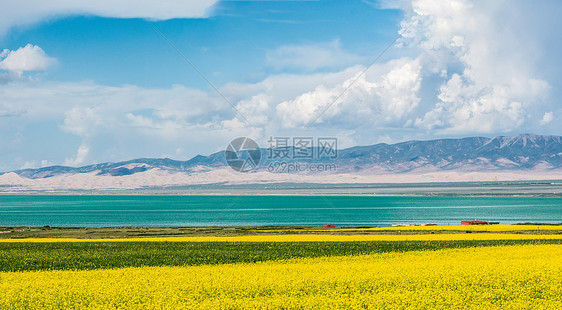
pixel 131 210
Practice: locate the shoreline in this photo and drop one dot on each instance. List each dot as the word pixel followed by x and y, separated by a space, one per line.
pixel 537 188
pixel 552 182
pixel 108 233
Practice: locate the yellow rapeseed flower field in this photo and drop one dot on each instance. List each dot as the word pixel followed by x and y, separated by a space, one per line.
pixel 311 238
pixel 501 277
pixel 482 228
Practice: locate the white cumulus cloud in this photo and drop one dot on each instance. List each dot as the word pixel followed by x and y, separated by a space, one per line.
pixel 547 118
pixel 488 84
pixel 28 58
pixel 388 93
pixel 80 156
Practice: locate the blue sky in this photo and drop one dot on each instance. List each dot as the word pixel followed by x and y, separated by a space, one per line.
pixel 94 81
pixel 230 45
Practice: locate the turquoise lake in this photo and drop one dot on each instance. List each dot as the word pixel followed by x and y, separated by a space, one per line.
pixel 131 210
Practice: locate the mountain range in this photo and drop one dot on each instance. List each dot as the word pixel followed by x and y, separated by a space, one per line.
pixel 511 157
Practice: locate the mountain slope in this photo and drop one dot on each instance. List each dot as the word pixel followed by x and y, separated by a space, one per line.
pixel 477 154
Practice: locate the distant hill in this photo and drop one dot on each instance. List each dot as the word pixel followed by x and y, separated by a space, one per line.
pixel 526 151
pixel 520 157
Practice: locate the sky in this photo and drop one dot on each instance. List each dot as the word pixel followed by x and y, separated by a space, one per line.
pixel 84 82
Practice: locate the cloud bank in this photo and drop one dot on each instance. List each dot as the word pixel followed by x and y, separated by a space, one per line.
pixel 476 71
pixel 491 87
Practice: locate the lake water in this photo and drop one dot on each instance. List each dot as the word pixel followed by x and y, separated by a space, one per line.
pixel 130 210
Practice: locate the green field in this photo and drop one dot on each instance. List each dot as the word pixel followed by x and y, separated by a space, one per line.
pixel 24 256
